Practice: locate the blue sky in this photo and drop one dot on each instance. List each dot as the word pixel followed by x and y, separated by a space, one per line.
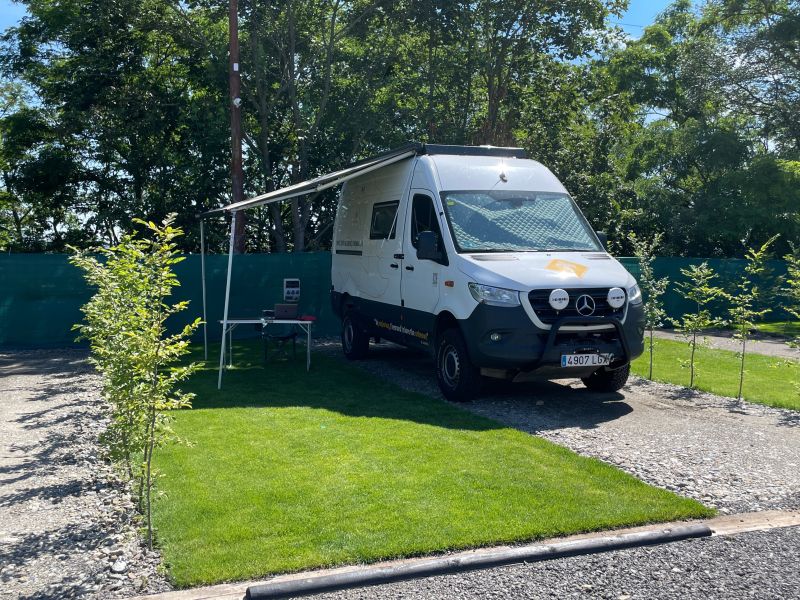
pixel 10 14
pixel 639 14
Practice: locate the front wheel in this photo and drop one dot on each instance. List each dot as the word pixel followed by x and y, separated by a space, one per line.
pixel 355 341
pixel 458 378
pixel 608 381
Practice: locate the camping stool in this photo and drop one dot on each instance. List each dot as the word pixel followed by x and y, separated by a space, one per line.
pixel 281 340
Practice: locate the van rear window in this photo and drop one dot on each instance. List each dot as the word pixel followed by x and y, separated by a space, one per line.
pixel 384 222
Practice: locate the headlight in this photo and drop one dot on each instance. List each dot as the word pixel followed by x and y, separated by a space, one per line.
pixel 634 294
pixel 494 296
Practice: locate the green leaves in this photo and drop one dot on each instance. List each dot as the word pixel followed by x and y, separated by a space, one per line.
pixel 747 297
pixel 125 325
pixel 690 130
pixel 698 287
pixel 652 288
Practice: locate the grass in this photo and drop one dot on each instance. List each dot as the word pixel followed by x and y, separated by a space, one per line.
pixel 790 329
pixel 289 471
pixel 768 380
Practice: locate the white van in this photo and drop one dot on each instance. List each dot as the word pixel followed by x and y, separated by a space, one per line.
pixel 480 256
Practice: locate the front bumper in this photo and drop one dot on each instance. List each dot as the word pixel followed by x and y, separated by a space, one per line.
pixel 523 347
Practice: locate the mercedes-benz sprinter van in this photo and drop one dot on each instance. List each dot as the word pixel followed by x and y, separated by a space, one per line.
pixel 481 257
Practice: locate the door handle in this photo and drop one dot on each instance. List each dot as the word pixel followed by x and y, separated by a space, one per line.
pixel 410 268
pixel 394 265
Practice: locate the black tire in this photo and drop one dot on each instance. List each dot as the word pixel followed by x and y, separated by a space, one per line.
pixel 355 341
pixel 458 378
pixel 608 381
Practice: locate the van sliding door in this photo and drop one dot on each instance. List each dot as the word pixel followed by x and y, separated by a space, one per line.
pixel 382 260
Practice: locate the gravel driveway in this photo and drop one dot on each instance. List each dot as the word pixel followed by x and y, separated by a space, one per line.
pixel 759 565
pixel 65 520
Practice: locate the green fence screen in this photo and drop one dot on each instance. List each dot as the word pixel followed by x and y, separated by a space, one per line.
pixel 41 294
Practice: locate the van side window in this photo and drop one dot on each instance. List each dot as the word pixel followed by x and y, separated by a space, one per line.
pixel 384 221
pixel 423 217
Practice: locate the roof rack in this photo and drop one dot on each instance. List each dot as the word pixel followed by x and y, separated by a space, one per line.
pixel 472 150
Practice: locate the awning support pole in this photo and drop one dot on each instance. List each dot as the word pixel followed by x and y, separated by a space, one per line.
pixel 227 300
pixel 203 279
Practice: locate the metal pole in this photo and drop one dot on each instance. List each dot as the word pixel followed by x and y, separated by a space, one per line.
pixel 235 83
pixel 227 301
pixel 203 279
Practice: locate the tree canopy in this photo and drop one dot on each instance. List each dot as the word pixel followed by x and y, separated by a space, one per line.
pixel 117 110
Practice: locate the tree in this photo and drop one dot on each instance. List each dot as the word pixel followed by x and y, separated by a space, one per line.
pixel 652 288
pixel 125 325
pixel 762 74
pixel 791 292
pixel 701 166
pixel 745 299
pixel 132 102
pixel 699 289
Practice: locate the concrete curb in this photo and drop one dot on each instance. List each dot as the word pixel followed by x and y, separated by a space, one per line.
pixel 441 566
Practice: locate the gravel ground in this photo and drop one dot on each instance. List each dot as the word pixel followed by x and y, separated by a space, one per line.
pixel 66 527
pixel 724 340
pixel 737 457
pixel 749 565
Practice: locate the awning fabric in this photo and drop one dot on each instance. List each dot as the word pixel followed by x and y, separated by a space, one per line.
pixel 323 182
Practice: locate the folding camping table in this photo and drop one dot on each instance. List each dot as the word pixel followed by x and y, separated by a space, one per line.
pixel 305 326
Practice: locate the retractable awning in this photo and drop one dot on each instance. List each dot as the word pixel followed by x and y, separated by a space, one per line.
pixel 317 185
pixel 325 181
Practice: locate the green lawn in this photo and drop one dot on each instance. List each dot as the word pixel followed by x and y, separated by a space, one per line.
pixel 790 329
pixel 288 471
pixel 767 380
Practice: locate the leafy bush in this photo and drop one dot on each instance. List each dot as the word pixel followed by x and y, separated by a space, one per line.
pixel 746 299
pixel 652 288
pixel 125 326
pixel 699 289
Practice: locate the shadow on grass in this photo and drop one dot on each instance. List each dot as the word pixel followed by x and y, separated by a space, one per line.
pixel 330 385
pixel 334 385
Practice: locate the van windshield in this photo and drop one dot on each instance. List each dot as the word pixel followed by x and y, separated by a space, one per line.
pixel 502 221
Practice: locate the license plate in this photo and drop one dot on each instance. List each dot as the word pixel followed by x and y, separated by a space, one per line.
pixel 585 360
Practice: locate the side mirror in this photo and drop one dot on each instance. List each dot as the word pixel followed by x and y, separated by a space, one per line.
pixel 603 237
pixel 428 246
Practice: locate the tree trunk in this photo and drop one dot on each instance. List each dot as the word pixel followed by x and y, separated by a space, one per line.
pixel 298 231
pixel 691 360
pixel 149 471
pixel 741 368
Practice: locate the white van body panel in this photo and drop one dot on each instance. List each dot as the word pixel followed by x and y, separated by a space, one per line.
pixel 525 271
pixel 361 265
pixel 532 270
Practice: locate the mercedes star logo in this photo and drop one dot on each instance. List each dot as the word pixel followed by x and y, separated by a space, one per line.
pixel 585 305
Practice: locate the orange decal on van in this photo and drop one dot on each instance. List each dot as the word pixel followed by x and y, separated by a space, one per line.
pixel 567 267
